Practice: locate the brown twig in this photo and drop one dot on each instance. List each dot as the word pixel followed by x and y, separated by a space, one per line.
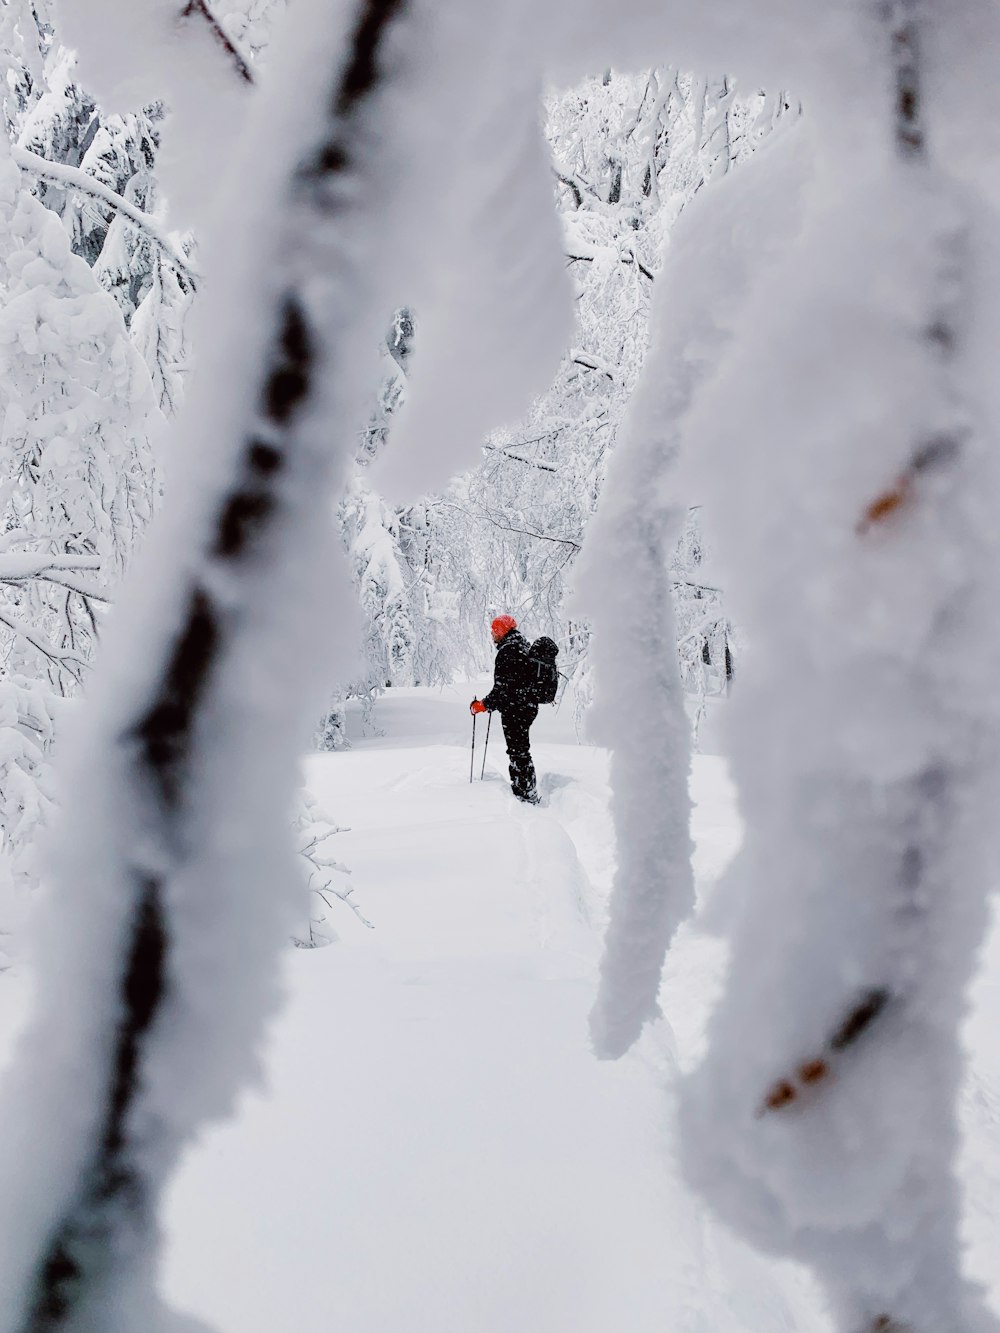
pixel 817 1069
pixel 937 450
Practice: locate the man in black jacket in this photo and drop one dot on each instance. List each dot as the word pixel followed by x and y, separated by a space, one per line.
pixel 511 698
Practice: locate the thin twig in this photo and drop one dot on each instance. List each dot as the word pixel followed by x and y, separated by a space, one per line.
pixel 66 581
pixel 347 898
pixel 528 462
pixel 679 582
pixel 65 661
pixel 526 532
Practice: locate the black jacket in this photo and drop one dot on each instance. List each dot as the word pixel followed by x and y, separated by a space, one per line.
pixel 510 675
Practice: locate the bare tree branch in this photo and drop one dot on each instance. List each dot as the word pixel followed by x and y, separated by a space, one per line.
pixel 65 661
pixel 17 567
pixel 570 185
pixel 692 583
pixel 528 462
pixel 527 532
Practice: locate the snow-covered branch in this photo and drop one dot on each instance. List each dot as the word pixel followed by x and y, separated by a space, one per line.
pixel 17 566
pixel 60 570
pixel 516 458
pixel 66 661
pixel 625 259
pixel 580 358
pixel 73 178
pixel 149 871
pixel 864 746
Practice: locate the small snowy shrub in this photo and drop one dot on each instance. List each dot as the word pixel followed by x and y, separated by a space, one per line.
pixel 327 878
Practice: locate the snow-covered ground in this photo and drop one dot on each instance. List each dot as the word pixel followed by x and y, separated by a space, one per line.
pixel 434 1148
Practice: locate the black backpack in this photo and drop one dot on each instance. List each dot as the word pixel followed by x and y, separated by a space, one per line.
pixel 542 676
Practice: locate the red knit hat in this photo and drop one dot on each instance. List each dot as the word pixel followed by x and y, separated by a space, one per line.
pixel 503 625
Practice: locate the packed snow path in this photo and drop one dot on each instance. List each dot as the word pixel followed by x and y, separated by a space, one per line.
pixel 436 1147
pixel 433 1147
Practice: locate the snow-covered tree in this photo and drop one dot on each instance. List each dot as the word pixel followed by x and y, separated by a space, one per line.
pixel 24 40
pixel 373 535
pixel 864 746
pixel 629 152
pixel 409 632
pixel 77 481
pixel 97 171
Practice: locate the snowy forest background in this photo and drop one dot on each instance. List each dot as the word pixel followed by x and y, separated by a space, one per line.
pixel 90 382
pixel 271 278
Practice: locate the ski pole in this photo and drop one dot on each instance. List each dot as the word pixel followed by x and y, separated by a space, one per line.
pixel 472 761
pixel 489 720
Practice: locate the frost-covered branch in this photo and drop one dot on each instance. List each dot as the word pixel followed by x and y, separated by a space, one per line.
pixel 516 458
pixel 580 358
pixel 17 566
pixel 73 178
pixel 66 661
pixel 74 584
pixel 528 532
pixel 864 748
pixel 626 585
pixel 571 185
pixel 60 570
pixel 625 259
pixel 149 870
pixel 692 583
pixel 324 874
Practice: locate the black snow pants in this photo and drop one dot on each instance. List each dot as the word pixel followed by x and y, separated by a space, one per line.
pixel 516 722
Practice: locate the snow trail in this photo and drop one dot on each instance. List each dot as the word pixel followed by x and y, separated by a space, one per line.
pixel 437 1147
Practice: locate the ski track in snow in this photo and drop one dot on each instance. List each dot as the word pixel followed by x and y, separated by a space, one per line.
pixel 434 1146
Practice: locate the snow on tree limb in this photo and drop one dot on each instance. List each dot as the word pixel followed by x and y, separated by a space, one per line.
pixel 76 179
pixel 66 660
pixel 160 859
pixel 625 584
pixel 848 443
